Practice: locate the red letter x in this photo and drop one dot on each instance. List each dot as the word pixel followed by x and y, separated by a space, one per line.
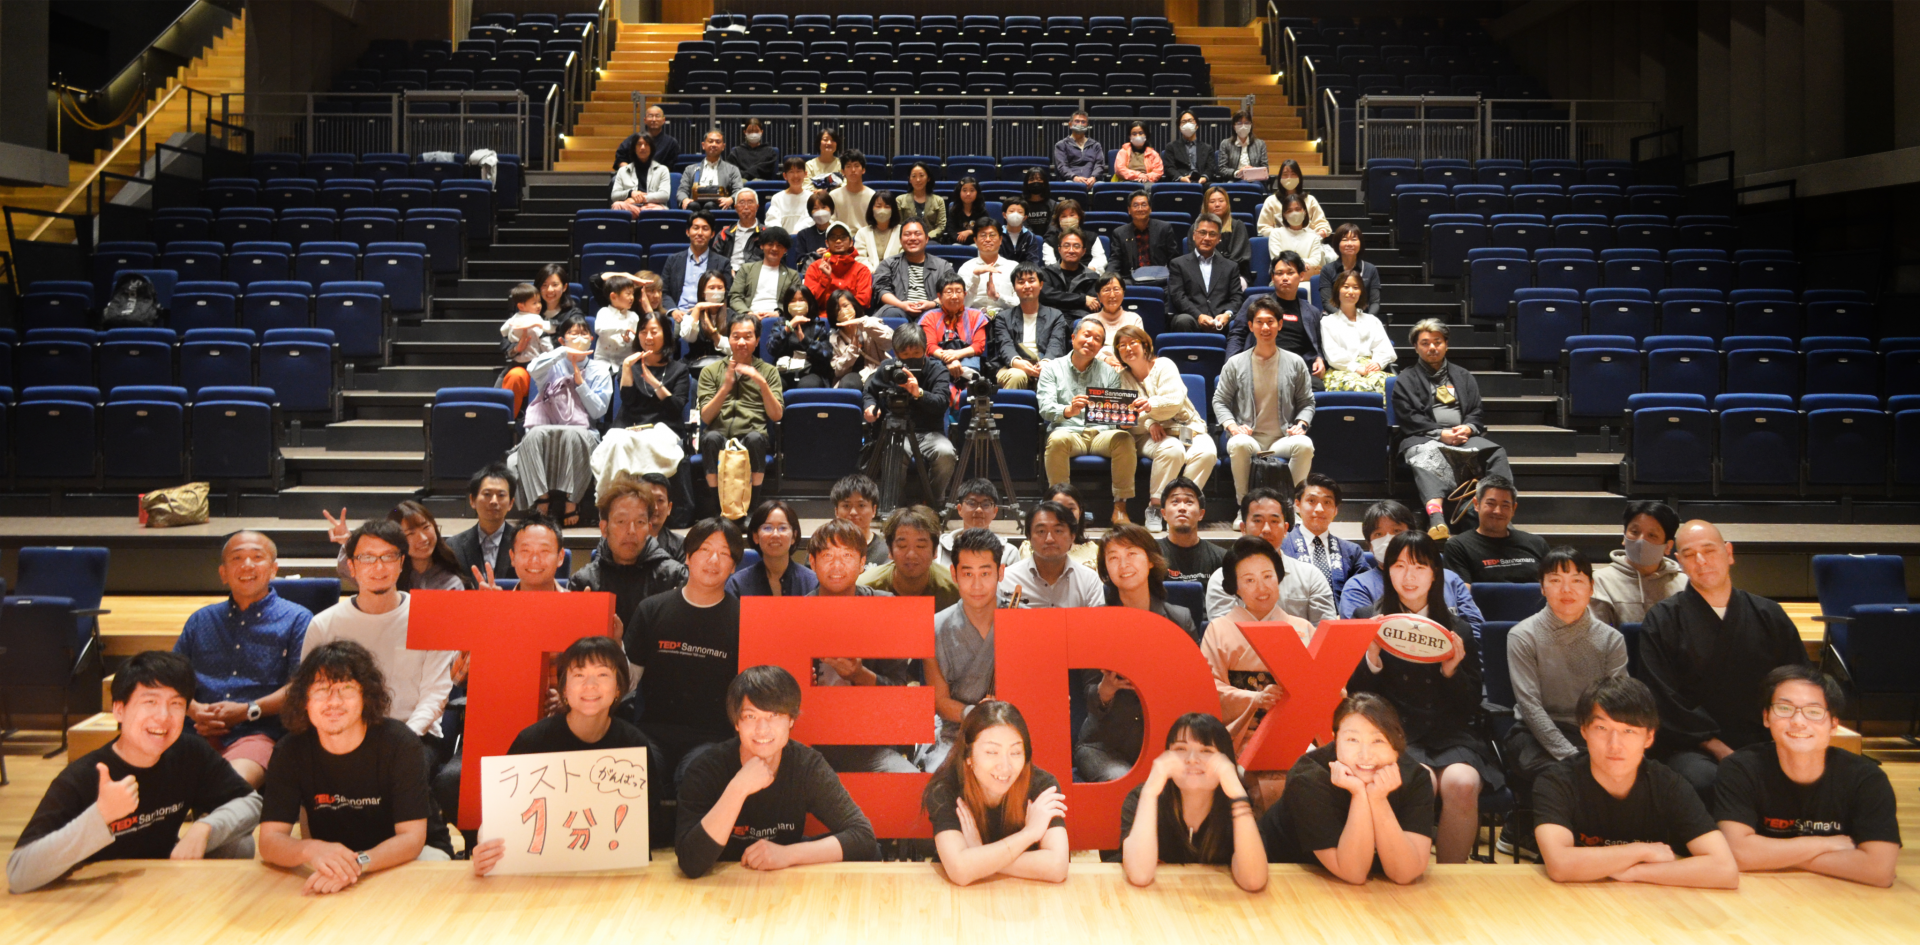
pixel 1313 675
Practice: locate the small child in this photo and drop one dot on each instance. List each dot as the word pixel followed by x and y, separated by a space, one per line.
pixel 523 337
pixel 617 322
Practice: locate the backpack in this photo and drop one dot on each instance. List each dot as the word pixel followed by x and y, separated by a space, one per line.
pixel 134 304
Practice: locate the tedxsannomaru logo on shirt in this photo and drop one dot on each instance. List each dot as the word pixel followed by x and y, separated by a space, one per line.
pixel 336 802
pixel 689 649
pixel 744 832
pixel 1804 828
pixel 143 821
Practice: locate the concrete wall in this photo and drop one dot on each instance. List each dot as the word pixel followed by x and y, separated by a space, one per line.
pixel 1782 82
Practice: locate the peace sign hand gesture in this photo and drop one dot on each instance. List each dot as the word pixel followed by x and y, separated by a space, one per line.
pixel 337 528
pixel 485 581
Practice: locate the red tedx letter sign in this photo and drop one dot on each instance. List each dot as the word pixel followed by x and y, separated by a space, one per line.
pixel 1313 675
pixel 793 632
pixel 508 634
pixel 1033 649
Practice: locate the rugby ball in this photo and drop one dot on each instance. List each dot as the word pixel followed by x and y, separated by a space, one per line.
pixel 1415 639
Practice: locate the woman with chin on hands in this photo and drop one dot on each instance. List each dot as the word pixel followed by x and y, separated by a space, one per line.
pixel 1206 818
pixel 1358 804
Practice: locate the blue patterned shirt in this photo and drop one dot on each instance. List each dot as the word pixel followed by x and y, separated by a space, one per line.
pixel 244 655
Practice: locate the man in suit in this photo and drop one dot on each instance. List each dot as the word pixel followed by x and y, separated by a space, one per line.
pixel 1014 353
pixel 1300 317
pixel 759 286
pixel 1203 288
pixel 710 183
pixel 680 277
pixel 896 293
pixel 490 492
pixel 1142 242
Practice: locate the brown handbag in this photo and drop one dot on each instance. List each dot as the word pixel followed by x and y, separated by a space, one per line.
pixel 180 505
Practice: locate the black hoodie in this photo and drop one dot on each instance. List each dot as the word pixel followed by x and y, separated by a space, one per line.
pixel 630 584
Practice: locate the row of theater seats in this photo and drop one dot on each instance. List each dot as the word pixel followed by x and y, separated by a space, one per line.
pixel 1595 220
pixel 938 28
pixel 1416 30
pixel 1602 371
pixel 513 42
pixel 1457 241
pixel 1773 443
pixel 1384 173
pixel 1540 320
pixel 198 357
pixel 942 82
pixel 731 56
pixel 442 230
pixel 403 270
pixel 473 200
pixel 1495 274
pixel 543 73
pixel 145 434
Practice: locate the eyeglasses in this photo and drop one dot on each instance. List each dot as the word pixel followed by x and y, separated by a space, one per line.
pixel 775 530
pixel 1785 710
pixel 341 692
pixel 388 558
pixel 979 505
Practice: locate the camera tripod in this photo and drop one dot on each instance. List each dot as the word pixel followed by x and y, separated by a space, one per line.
pixel 981 456
pixel 894 450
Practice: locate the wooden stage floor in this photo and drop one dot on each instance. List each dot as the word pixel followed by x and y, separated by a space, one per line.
pixel 159 903
pixel 233 902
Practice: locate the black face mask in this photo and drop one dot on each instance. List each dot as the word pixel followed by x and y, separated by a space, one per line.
pixel 915 364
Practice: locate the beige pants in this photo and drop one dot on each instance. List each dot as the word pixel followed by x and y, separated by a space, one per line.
pixel 1172 459
pixel 1117 445
pixel 1013 379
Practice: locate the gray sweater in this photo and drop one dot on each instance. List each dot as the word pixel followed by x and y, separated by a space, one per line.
pixel 1552 663
pixel 1234 399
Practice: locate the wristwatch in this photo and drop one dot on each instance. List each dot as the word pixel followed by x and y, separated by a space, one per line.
pixel 253 711
pixel 364 858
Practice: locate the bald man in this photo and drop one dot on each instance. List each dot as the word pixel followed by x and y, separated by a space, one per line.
pixel 244 650
pixel 1704 652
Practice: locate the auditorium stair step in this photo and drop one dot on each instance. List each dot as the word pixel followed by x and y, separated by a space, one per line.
pixel 1238 62
pixel 218 69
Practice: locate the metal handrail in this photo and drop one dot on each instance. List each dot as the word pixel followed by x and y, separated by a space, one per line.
pixel 141 129
pixel 1272 38
pixel 1313 91
pixel 1290 58
pixel 1330 133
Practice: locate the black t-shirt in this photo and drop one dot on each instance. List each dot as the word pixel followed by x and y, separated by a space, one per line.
pixel 189 777
pixel 1312 813
pixel 1293 330
pixel 942 794
pixel 1175 845
pixel 689 655
pixel 1660 808
pixel 354 799
pixel 552 734
pixel 1852 797
pixel 778 812
pixel 1192 564
pixel 1514 559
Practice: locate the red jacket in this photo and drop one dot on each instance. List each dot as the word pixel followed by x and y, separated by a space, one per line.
pixel 840 272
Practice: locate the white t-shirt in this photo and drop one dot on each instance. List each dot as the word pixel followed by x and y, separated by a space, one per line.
pixel 418 680
pixel 766 290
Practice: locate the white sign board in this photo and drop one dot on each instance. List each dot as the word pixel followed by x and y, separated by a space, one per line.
pixel 566 811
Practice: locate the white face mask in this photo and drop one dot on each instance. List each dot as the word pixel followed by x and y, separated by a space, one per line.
pixel 753 138
pixel 1296 218
pixel 1139 141
pixel 882 214
pixel 1077 128
pixel 822 216
pixel 1242 130
pixel 1189 129
pixel 1380 547
pixel 1015 219
pixel 797 308
pixel 716 295
pixel 1290 183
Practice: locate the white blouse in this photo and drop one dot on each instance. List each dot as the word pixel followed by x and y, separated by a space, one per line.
pixel 1348 344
